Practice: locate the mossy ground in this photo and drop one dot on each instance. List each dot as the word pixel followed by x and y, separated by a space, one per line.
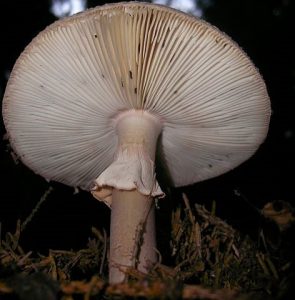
pixel 211 260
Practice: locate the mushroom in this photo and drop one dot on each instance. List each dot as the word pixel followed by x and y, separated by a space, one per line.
pixel 95 97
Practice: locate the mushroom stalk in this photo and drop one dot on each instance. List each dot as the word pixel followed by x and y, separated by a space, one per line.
pixel 129 186
pixel 132 239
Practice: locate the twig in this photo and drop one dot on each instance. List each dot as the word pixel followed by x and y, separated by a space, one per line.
pixel 22 261
pixel 104 253
pixel 188 207
pixel 262 264
pixel 34 211
pixel 272 267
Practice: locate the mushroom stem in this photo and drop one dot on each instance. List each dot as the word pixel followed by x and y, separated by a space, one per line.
pixel 129 187
pixel 132 236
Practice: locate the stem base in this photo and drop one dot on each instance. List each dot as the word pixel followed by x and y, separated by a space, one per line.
pixel 132 238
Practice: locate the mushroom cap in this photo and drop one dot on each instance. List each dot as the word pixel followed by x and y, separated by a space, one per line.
pixel 82 71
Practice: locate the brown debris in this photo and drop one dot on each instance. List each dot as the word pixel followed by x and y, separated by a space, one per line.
pixel 280 212
pixel 216 261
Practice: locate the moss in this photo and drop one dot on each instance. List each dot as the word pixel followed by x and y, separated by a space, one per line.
pixel 211 259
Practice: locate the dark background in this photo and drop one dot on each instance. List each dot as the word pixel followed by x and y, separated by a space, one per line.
pixel 265 29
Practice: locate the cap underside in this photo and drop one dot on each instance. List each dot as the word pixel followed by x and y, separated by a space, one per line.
pixel 80 72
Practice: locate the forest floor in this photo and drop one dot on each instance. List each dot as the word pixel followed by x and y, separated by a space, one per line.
pixel 211 260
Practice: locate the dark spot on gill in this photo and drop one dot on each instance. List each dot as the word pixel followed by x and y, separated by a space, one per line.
pixel 95 35
pixel 171 59
pixel 135 91
pixel 130 74
pixel 144 100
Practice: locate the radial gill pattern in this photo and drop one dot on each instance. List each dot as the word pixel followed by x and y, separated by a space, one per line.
pixel 77 74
